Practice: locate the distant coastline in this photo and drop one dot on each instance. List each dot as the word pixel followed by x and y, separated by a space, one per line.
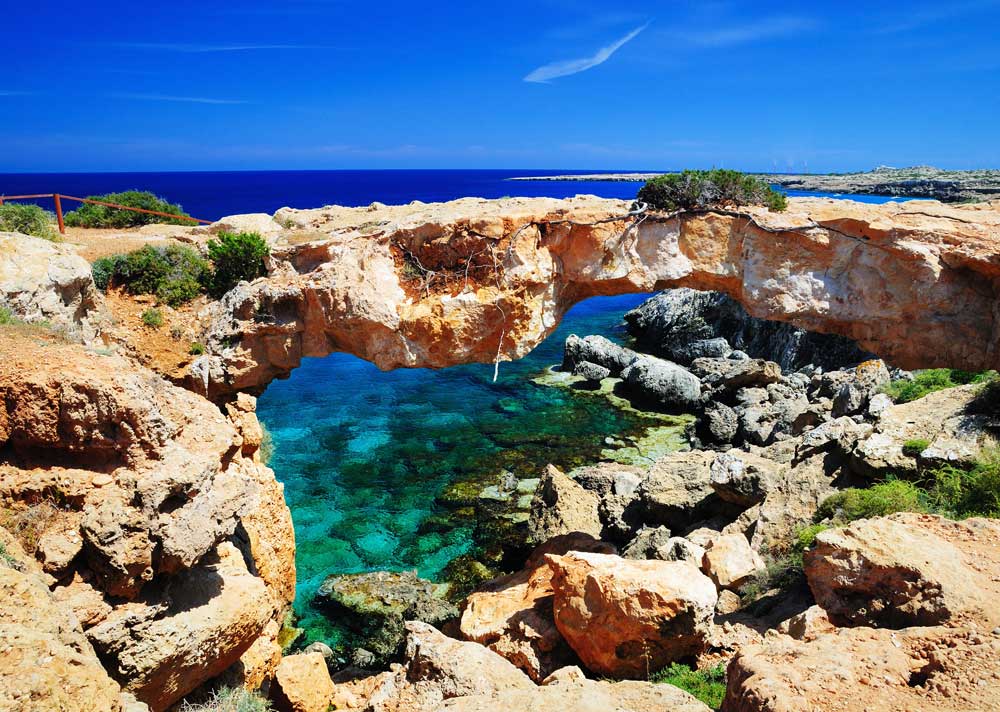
pixel 914 182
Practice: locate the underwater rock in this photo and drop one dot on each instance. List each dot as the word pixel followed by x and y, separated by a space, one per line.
pixel 377 605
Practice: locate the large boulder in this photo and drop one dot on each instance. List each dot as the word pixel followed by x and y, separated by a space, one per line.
pixel 596 350
pixel 302 684
pixel 512 615
pixel 377 605
pixel 41 281
pixel 905 570
pixel 662 382
pixel 730 561
pixel 625 617
pixel 192 632
pixel 677 490
pixel 938 668
pixel 562 506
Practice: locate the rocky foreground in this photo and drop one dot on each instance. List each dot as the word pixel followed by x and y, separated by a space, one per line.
pixel 148 550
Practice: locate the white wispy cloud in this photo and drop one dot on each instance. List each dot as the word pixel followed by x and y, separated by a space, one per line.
pixel 565 68
pixel 767 28
pixel 170 97
pixel 204 48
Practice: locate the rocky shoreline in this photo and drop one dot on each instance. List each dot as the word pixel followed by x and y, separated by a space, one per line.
pixel 150 553
pixel 913 182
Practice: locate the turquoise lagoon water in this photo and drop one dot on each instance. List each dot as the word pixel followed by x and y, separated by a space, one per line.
pixel 365 454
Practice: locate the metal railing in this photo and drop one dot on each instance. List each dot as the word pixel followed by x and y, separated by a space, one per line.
pixel 57 199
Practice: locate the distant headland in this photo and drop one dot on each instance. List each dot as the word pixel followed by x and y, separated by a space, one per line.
pixel 913 182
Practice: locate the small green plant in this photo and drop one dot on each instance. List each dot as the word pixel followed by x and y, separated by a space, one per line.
pixel 236 257
pixel 806 536
pixel 878 500
pixel 266 445
pixel 152 318
pixel 709 686
pixel 196 349
pixel 6 558
pixel 705 190
pixel 175 274
pixel 28 219
pixel 7 317
pixel 229 699
pixel 88 215
pixel 913 448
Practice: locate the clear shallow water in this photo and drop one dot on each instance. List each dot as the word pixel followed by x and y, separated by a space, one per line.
pixel 365 454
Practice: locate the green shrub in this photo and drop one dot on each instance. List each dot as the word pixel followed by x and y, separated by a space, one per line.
pixel 152 317
pixel 931 380
pixel 704 190
pixel 806 536
pixel 236 257
pixel 913 448
pixel 175 274
pixel 709 686
pixel 266 445
pixel 229 699
pixel 196 349
pixel 28 219
pixel 876 501
pixel 959 492
pixel 88 215
pixel 7 317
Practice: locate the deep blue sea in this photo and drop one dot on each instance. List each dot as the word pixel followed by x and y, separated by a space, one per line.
pixel 368 458
pixel 212 195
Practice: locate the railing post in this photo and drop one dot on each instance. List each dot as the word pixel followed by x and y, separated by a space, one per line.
pixel 59 217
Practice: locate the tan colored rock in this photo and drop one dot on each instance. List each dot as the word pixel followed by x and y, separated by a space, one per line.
pixel 302 684
pixel 212 614
pixel 259 661
pixel 907 569
pixel 955 435
pixel 512 615
pixel 44 281
pixel 625 617
pixel 582 695
pixel 46 662
pixel 730 561
pixel 861 669
pixel 913 272
pixel 807 625
pixel 677 490
pixel 562 506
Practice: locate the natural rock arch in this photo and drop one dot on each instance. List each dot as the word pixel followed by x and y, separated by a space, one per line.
pixel 473 280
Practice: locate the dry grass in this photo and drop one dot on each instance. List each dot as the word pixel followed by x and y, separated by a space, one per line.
pixel 27 523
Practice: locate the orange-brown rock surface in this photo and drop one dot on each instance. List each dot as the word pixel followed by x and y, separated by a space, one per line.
pixel 627 617
pixel 156 524
pixel 442 284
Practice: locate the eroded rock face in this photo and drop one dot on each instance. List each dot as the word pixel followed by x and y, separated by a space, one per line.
pixel 442 284
pixel 906 569
pixel 170 540
pixel 46 662
pixel 562 506
pixel 302 684
pixel 625 617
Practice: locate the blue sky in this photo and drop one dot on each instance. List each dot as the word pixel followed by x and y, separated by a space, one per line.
pixel 819 86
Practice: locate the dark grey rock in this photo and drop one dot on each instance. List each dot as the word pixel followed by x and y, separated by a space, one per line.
pixel 662 382
pixel 667 323
pixel 598 350
pixel 591 371
pixel 719 423
pixel 647 543
pixel 702 348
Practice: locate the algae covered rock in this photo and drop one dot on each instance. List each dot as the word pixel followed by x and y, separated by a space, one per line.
pixel 376 605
